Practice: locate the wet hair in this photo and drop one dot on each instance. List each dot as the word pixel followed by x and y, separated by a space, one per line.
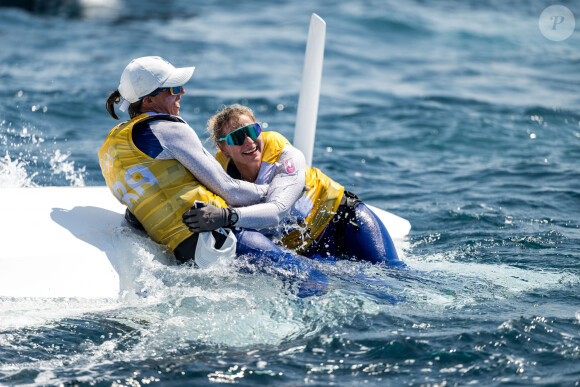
pixel 115 98
pixel 228 116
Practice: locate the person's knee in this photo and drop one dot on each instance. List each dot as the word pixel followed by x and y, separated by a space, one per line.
pixel 251 241
pixel 373 239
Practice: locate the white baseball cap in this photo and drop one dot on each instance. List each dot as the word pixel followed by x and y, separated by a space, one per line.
pixel 144 75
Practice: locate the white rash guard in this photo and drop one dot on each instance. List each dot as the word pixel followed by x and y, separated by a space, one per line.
pixel 282 204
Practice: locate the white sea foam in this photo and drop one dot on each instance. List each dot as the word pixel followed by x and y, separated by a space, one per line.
pixel 30 312
pixel 463 283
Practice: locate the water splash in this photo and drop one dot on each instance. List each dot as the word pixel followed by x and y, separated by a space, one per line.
pixel 31 161
pixel 13 173
pixel 60 164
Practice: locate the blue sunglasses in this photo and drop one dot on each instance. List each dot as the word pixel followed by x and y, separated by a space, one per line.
pixel 175 90
pixel 238 136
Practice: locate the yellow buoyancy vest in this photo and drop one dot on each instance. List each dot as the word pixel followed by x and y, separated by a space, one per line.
pixel 324 195
pixel 157 192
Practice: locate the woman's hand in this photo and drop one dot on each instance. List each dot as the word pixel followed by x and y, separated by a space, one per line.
pixel 206 218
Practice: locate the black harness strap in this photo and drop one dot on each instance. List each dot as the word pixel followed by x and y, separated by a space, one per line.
pixel 345 215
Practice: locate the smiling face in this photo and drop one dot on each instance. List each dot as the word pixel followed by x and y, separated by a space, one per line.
pixel 248 156
pixel 163 102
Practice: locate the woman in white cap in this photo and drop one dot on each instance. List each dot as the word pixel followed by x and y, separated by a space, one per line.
pixel 156 165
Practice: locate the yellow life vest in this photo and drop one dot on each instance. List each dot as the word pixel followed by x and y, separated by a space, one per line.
pixel 324 195
pixel 157 192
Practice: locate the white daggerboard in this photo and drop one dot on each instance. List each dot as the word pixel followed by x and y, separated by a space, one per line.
pixel 307 111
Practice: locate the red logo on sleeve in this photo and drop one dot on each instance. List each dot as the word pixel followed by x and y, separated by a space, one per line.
pixel 289 166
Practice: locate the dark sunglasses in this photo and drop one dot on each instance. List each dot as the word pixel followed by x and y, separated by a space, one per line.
pixel 175 90
pixel 238 136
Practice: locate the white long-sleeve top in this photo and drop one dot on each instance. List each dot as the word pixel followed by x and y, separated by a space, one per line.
pixel 286 203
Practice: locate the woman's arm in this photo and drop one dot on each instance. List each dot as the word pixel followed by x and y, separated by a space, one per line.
pixel 284 190
pixel 180 142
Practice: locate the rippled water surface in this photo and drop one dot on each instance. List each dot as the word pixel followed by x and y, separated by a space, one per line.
pixel 458 116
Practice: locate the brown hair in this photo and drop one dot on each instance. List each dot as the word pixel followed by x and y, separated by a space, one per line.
pixel 216 125
pixel 115 98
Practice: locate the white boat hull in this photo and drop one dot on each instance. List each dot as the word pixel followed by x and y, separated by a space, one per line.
pixel 58 242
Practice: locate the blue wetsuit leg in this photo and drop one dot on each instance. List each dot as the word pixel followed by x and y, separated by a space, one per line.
pixel 253 242
pixel 372 241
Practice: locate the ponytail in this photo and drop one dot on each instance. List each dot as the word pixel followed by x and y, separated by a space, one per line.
pixel 113 99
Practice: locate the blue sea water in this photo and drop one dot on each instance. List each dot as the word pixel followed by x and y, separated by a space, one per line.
pixel 460 116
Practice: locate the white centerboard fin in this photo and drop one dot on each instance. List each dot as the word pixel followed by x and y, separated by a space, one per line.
pixel 307 113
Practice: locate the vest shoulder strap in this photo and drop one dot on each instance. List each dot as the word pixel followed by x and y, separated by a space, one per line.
pixel 161 117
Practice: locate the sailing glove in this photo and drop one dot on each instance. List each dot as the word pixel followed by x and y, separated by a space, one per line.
pixel 206 218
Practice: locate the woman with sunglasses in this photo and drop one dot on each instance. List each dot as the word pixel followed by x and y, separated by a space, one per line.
pixel 156 165
pixel 324 221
